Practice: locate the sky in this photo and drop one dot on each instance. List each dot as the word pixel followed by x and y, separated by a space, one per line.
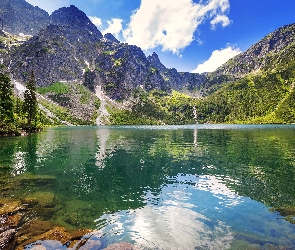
pixel 189 35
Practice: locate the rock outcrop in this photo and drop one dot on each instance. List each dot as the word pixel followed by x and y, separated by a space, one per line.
pixel 73 18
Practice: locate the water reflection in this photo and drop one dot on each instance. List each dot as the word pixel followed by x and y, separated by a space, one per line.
pixel 156 185
pixel 102 138
pixel 173 223
pixel 19 166
pixel 197 212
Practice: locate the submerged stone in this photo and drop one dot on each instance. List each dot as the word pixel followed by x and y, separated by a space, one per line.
pixel 44 199
pixel 243 244
pixel 87 244
pixel 13 220
pixel 57 234
pixel 288 213
pixel 40 234
pixel 9 206
pixel 32 229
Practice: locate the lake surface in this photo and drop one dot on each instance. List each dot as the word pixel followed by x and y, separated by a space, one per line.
pixel 162 187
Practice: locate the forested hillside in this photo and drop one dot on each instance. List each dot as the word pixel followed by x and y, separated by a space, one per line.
pixel 256 86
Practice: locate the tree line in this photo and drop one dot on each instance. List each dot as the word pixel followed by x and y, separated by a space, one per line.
pixel 18 115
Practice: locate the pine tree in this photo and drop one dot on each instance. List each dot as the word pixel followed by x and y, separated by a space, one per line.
pixel 30 102
pixel 6 99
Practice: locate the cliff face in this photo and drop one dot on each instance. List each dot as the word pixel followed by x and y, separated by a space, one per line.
pixel 21 17
pixel 120 68
pixel 75 19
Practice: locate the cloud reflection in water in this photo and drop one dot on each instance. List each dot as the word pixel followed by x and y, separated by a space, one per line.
pixel 170 221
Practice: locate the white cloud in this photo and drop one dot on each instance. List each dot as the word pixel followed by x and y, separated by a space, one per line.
pixel 170 23
pixel 224 20
pixel 114 27
pixel 217 58
pixel 96 21
pixel 49 6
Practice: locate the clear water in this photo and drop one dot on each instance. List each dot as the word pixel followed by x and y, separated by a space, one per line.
pixel 163 187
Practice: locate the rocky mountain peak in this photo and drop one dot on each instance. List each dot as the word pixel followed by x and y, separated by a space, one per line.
pixel 74 18
pixel 111 38
pixel 154 57
pixel 155 62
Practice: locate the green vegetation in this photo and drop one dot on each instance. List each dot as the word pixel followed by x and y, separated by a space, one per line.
pixel 267 97
pixel 57 88
pixel 6 99
pixel 30 103
pixel 155 108
pixel 118 62
pixel 253 99
pixel 69 103
pixel 85 95
pixel 153 70
pixel 16 115
pixel 109 52
pixel 126 117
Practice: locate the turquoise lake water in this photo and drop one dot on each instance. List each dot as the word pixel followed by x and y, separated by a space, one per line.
pixel 162 187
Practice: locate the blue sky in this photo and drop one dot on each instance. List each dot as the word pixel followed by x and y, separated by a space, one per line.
pixel 189 35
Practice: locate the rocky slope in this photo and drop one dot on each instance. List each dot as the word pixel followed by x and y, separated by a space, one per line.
pixel 21 17
pixel 58 52
pixel 262 55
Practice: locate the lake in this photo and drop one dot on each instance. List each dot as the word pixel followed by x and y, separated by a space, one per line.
pixel 159 187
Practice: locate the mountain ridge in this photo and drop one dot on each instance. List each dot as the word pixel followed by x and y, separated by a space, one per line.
pixel 258 56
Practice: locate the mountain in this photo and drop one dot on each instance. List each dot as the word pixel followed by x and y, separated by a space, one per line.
pixel 73 18
pixel 267 53
pixel 109 37
pixel 72 49
pixel 77 68
pixel 256 86
pixel 21 17
pixel 62 51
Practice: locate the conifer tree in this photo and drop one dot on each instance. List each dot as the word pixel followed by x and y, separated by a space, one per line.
pixel 30 101
pixel 6 100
